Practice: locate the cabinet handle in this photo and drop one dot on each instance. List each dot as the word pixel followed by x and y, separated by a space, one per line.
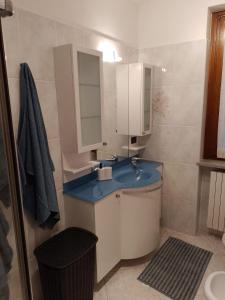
pixel 117 195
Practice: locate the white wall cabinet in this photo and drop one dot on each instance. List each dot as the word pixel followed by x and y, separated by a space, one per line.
pixel 126 222
pixel 134 99
pixel 79 89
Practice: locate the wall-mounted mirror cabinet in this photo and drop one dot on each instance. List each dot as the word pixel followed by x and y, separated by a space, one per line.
pixel 79 84
pixel 134 90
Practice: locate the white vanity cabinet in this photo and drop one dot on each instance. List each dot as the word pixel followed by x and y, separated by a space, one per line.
pixel 107 228
pixel 134 99
pixel 78 74
pixel 140 221
pixel 126 222
pixel 103 219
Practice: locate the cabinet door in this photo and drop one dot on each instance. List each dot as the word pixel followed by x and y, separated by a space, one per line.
pixel 88 90
pixel 107 228
pixel 79 89
pixel 140 222
pixel 134 99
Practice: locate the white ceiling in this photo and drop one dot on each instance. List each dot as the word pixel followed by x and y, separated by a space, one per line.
pixel 137 1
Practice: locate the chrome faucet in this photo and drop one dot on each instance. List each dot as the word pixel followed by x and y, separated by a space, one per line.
pixel 94 169
pixel 134 160
pixel 113 158
pixel 138 170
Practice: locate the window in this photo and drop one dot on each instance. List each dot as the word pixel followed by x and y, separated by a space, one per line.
pixel 215 94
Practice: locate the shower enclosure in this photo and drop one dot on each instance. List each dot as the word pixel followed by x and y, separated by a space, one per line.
pixel 14 272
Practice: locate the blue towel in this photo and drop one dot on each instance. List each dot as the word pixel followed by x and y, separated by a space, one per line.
pixel 36 166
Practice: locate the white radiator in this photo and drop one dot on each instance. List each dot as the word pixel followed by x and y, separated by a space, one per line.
pixel 216 208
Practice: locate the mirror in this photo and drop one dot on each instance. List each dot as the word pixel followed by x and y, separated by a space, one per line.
pixel 89 74
pixel 114 143
pixel 147 98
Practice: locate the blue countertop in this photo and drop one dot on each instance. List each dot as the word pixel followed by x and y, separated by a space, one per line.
pixel 89 188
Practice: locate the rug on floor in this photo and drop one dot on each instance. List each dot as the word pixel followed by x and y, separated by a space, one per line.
pixel 177 269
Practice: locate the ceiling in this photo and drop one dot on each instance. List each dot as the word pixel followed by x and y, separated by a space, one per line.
pixel 137 1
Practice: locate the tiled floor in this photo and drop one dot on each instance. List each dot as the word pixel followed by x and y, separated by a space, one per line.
pixel 125 286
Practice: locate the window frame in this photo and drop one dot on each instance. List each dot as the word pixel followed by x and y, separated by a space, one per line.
pixel 215 69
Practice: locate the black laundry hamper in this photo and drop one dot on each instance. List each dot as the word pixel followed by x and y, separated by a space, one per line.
pixel 67 265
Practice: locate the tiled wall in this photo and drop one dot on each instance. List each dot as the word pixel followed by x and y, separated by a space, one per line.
pixel 178 92
pixel 178 102
pixel 31 38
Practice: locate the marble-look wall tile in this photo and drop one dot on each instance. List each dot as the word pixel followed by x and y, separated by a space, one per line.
pixel 180 197
pixel 37 39
pixel 69 35
pixel 55 151
pixel 180 181
pixel 109 77
pixel 15 102
pixel 47 96
pixel 61 225
pixel 177 64
pixel 94 40
pixel 174 144
pixel 190 62
pixel 178 105
pixel 178 93
pixel 10 27
pixel 180 215
pixel 163 59
pixel 180 210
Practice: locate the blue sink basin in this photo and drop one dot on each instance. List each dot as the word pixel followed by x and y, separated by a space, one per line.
pixel 133 177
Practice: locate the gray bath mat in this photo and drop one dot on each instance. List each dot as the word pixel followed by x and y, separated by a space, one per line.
pixel 177 269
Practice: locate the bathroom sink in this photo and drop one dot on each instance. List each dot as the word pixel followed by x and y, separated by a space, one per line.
pixel 133 177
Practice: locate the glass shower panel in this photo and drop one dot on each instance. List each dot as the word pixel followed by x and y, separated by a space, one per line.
pixel 10 284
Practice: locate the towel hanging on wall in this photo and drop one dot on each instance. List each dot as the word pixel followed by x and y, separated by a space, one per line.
pixel 36 166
